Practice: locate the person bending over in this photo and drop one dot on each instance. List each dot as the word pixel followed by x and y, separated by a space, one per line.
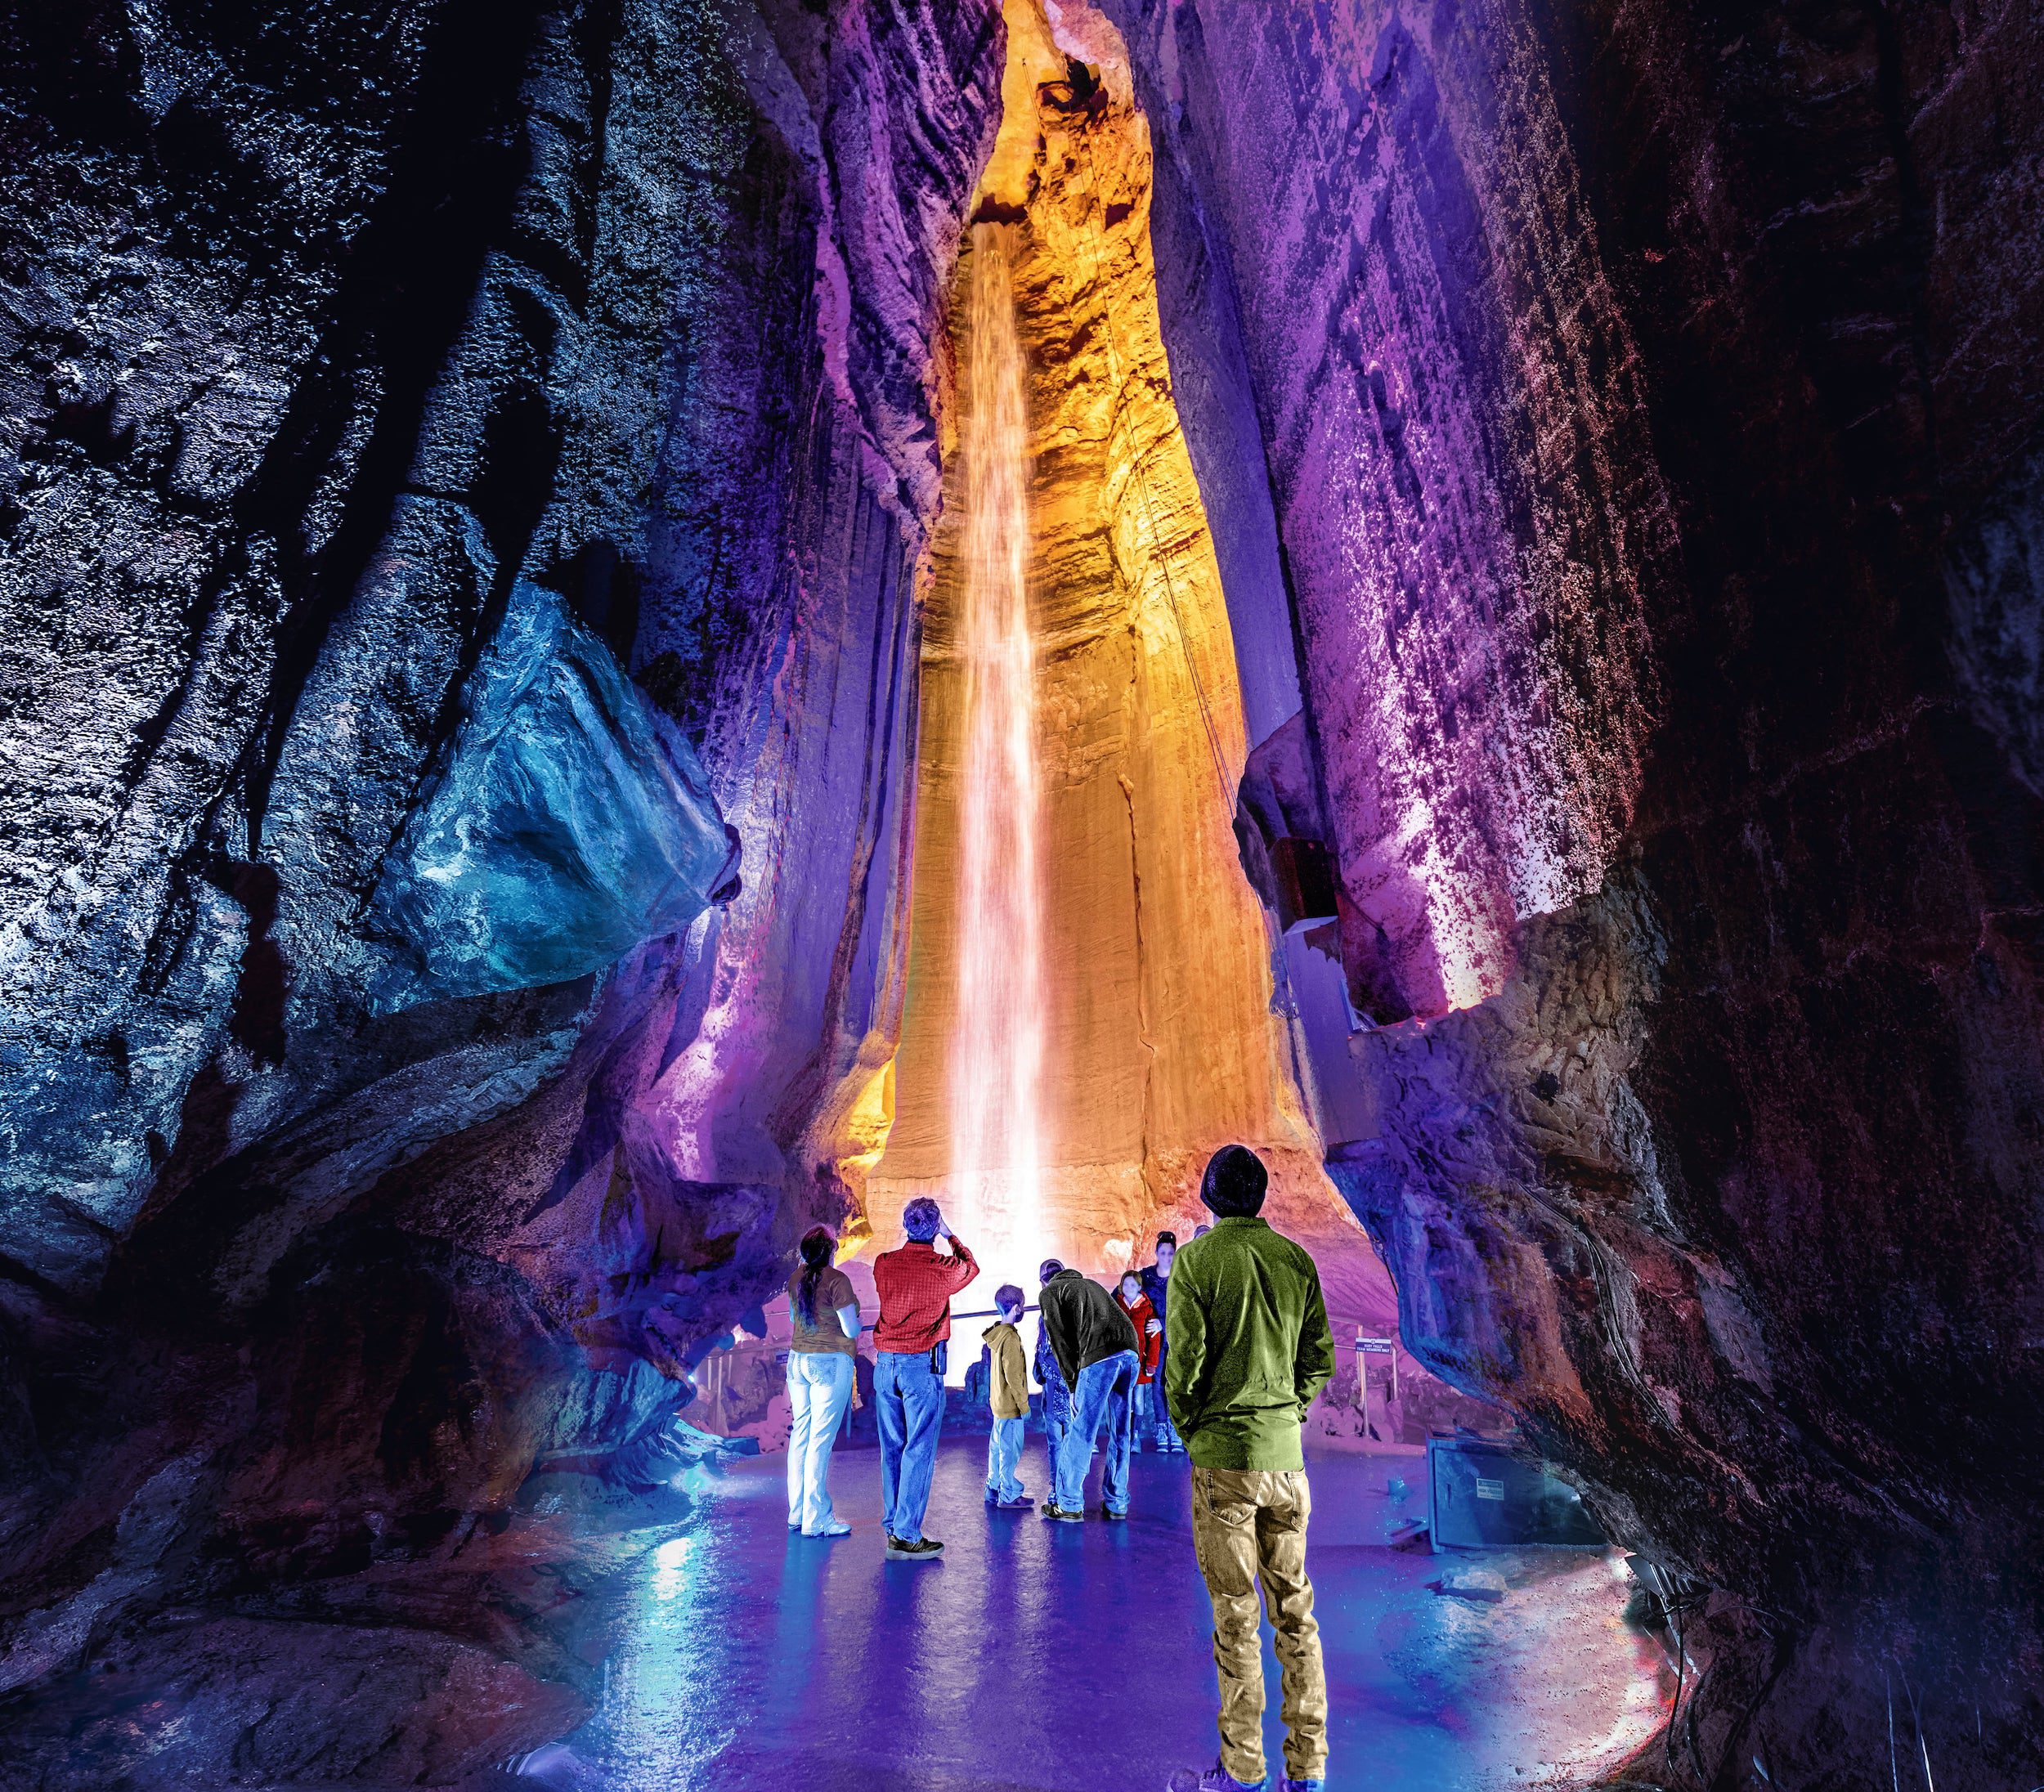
pixel 915 1285
pixel 1095 1345
pixel 1248 1348
pixel 1008 1394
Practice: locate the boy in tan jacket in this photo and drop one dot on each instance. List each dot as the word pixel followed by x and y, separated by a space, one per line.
pixel 1008 1391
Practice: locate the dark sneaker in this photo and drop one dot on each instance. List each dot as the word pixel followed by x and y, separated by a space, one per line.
pixel 1058 1514
pixel 1119 1518
pixel 1287 1784
pixel 1020 1503
pixel 923 1551
pixel 1215 1779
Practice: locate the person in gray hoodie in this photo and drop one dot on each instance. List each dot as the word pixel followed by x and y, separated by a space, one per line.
pixel 1057 1397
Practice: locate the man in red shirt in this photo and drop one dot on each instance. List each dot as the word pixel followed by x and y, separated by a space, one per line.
pixel 915 1286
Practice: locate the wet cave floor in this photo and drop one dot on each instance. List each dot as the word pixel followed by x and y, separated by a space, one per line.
pixel 1065 1657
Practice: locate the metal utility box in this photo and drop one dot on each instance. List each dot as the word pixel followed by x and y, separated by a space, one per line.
pixel 1482 1496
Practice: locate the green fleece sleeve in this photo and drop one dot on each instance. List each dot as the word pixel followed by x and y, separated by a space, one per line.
pixel 1313 1367
pixel 1185 1344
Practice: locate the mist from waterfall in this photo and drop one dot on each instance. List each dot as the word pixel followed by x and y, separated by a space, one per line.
pixel 996 1051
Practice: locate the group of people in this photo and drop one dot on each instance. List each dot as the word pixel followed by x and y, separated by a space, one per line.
pixel 1077 1338
pixel 1218 1348
pixel 1142 1296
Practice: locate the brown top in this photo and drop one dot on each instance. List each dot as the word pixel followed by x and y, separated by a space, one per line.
pixel 1008 1382
pixel 833 1289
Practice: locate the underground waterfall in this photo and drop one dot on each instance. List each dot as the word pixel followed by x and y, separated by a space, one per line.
pixel 1139 1001
pixel 995 1058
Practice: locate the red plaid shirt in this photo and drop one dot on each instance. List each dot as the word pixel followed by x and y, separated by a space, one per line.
pixel 915 1286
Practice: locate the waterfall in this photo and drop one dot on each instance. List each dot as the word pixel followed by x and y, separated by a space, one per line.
pixel 997 1049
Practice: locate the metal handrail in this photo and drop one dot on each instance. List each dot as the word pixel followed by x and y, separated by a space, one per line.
pixel 978 1313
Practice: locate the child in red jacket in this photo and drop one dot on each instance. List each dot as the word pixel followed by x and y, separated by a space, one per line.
pixel 1150 1346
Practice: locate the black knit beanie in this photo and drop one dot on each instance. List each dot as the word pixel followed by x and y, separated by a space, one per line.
pixel 1235 1182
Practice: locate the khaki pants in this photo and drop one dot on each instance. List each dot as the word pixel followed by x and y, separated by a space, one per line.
pixel 1249 1525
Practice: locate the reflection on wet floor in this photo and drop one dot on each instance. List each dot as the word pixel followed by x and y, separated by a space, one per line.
pixel 1071 1658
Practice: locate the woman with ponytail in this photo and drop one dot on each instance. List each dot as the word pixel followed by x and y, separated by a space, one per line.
pixel 824 1308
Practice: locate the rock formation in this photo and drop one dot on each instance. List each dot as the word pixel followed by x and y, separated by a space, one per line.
pixel 466 471
pixel 1649 401
pixel 1162 1043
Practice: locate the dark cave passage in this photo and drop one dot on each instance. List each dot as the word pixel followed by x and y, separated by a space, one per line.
pixel 1523 552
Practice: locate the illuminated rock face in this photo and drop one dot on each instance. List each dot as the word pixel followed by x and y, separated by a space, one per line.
pixel 570 822
pixel 461 459
pixel 1160 1041
pixel 1648 401
pixel 1465 480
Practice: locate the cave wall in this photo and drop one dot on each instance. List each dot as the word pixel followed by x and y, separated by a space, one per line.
pixel 467 470
pixel 1650 405
pixel 1458 583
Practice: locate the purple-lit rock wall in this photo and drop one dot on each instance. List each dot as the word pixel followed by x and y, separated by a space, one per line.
pixel 1650 400
pixel 1464 479
pixel 465 470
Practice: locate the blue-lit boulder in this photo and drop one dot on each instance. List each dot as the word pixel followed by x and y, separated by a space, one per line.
pixel 570 822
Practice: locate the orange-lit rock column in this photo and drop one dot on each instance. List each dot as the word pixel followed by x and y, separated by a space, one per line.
pixel 1160 1041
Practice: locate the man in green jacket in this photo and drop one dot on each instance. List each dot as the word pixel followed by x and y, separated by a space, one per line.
pixel 1248 1347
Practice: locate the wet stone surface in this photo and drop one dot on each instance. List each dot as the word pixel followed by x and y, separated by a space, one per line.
pixel 1079 1658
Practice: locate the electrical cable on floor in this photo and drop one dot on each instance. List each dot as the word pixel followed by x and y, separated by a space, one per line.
pixel 1923 1742
pixel 1894 1775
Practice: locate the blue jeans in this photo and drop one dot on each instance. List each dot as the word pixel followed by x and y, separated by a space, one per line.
pixel 1154 1415
pixel 910 1398
pixel 1055 1425
pixel 819 1390
pixel 1105 1391
pixel 1004 1457
pixel 1143 1416
pixel 1166 1432
pixel 1167 1437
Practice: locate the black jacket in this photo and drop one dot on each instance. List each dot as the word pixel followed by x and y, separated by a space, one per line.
pixel 1083 1322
